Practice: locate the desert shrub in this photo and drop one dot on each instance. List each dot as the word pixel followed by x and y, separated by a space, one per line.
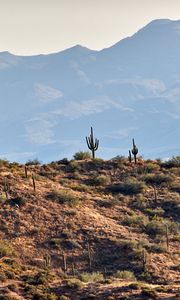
pixel 120 159
pixel 5 249
pixel 33 162
pixel 63 161
pixel 158 179
pixel 81 155
pixel 140 202
pixel 6 297
pixel 64 197
pixel 172 207
pixel 40 295
pixel 74 283
pixel 155 227
pixel 91 277
pixel 80 187
pixel 129 187
pixel 135 221
pixel 4 163
pixel 101 180
pixel 174 162
pixel 147 168
pixel 107 203
pixel 154 212
pixel 149 292
pixel 127 275
pixel 63 297
pixel 17 201
pixel 65 243
pixel 159 248
pixel 175 187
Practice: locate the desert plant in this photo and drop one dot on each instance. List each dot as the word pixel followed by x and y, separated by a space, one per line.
pixel 33 162
pixel 172 163
pixel 92 143
pixel 125 274
pixel 100 180
pixel 139 221
pixel 82 155
pixel 6 187
pixel 157 179
pixel 34 183
pixel 47 261
pixel 129 187
pixel 134 151
pixel 64 197
pixel 91 277
pixel 129 156
pixel 5 249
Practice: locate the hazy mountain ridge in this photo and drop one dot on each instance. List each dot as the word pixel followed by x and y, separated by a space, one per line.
pixel 48 102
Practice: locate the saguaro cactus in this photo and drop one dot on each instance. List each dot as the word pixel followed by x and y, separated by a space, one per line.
pixel 47 261
pixel 167 237
pixel 130 157
pixel 134 151
pixel 25 171
pixel 6 187
pixel 64 258
pixel 92 143
pixel 144 259
pixel 89 257
pixel 34 183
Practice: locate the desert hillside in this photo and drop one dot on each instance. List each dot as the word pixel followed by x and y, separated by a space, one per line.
pixel 90 229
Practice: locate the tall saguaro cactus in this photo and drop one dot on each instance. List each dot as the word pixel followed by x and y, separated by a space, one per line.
pixel 92 143
pixel 134 151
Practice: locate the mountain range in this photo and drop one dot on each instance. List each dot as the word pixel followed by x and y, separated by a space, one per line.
pixel 130 90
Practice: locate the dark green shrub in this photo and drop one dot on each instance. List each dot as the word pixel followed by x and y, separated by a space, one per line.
pixel 82 155
pixel 101 180
pixel 66 197
pixel 175 187
pixel 157 179
pixel 33 162
pixel 125 274
pixel 5 248
pixel 135 221
pixel 91 277
pixel 155 227
pixel 129 187
pixel 174 162
pixel 18 201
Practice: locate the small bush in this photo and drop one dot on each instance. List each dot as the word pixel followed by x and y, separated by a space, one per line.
pixel 80 187
pixel 175 187
pixel 149 292
pixel 174 162
pixel 129 187
pixel 101 180
pixel 5 249
pixel 82 155
pixel 157 179
pixel 154 212
pixel 65 197
pixel 74 283
pixel 127 275
pixel 155 228
pixel 135 221
pixel 33 162
pixel 18 201
pixel 91 277
pixel 4 163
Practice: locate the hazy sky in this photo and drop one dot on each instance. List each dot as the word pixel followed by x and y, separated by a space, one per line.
pixel 44 26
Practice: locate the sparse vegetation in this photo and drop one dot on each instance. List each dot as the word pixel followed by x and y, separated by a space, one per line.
pixel 88 228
